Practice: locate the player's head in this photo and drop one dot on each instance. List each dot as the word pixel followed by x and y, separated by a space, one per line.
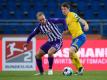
pixel 41 17
pixel 65 7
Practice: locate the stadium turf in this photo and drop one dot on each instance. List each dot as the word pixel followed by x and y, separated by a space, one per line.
pixel 90 75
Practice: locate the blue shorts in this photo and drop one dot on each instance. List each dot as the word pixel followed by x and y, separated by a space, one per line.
pixel 79 41
pixel 56 44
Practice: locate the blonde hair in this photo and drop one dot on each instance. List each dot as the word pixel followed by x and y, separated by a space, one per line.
pixel 39 14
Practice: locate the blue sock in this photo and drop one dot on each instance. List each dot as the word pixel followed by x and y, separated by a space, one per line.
pixel 39 64
pixel 50 60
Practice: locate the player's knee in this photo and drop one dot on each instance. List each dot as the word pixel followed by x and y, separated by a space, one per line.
pixel 71 52
pixel 39 55
pixel 51 52
pixel 71 55
pixel 50 55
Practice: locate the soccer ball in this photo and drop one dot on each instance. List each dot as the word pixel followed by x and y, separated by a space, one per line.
pixel 67 71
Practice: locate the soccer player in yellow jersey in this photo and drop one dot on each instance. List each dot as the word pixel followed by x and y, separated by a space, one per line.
pixel 73 22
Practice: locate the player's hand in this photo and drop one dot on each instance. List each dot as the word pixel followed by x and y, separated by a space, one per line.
pixel 86 28
pixel 25 46
pixel 65 32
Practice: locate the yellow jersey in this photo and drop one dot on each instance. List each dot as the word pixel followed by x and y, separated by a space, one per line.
pixel 74 27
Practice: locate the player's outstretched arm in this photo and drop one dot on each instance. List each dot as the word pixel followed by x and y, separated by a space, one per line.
pixel 65 32
pixel 84 22
pixel 29 39
pixel 35 32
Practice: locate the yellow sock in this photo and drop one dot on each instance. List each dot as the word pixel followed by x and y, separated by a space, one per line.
pixel 76 61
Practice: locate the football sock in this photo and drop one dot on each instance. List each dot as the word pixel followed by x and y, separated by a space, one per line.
pixel 50 60
pixel 76 61
pixel 39 64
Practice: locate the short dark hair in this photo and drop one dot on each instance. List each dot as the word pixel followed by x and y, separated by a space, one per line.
pixel 65 4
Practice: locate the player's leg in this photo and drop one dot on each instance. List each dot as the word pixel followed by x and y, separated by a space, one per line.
pixel 51 51
pixel 43 50
pixel 39 60
pixel 76 61
pixel 76 44
pixel 56 45
pixel 74 57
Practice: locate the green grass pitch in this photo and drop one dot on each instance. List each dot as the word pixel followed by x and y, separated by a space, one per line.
pixel 88 75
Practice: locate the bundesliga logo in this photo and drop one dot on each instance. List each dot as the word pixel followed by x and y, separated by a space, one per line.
pixel 15 56
pixel 15 51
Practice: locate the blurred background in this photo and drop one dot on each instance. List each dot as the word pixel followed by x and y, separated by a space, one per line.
pixel 18 16
pixel 17 21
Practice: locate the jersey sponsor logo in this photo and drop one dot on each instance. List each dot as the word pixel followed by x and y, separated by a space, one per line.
pixel 49 32
pixel 15 57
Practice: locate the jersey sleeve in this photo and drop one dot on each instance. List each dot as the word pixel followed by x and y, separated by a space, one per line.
pixel 59 21
pixel 76 17
pixel 34 32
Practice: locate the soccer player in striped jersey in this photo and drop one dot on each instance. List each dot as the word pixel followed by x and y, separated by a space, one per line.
pixel 53 44
pixel 73 22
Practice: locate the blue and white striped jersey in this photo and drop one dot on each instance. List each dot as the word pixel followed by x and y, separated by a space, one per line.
pixel 50 29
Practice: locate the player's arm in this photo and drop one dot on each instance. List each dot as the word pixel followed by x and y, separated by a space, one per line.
pixel 66 32
pixel 84 22
pixel 35 32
